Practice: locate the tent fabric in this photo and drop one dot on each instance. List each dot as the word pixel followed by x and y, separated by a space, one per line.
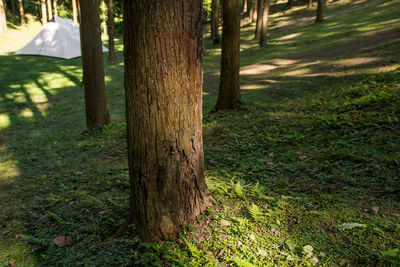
pixel 58 38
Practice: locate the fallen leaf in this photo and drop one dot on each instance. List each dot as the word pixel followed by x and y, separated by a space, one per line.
pixel 225 223
pixel 314 260
pixel 17 236
pixel 344 262
pixel 299 152
pixel 11 262
pixel 69 241
pixel 303 157
pixel 270 163
pixel 271 154
pixel 374 210
pixel 59 241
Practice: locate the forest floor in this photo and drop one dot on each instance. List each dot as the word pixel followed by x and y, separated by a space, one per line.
pixel 305 171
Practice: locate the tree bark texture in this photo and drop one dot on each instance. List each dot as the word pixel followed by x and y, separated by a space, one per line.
pixel 260 13
pixel 44 12
pixel 163 83
pixel 74 11
pixel 111 47
pixel 214 19
pixel 253 11
pixel 3 19
pixel 55 7
pixel 21 13
pixel 49 9
pixel 229 87
pixel 264 28
pixel 93 66
pixel 320 9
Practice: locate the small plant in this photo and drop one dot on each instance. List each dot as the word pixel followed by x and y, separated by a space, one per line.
pixel 256 213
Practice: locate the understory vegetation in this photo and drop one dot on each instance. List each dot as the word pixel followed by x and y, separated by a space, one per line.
pixel 305 171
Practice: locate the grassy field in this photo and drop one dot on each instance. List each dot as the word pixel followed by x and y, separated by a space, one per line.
pixel 305 171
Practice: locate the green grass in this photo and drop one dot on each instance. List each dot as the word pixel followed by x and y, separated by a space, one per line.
pixel 296 169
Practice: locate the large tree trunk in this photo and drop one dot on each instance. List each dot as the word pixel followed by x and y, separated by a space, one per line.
pixel 214 21
pixel 49 9
pixel 320 9
pixel 44 12
pixel 55 7
pixel 260 13
pixel 21 13
pixel 229 87
pixel 74 12
pixel 253 10
pixel 103 17
pixel 93 66
pixel 163 83
pixel 264 28
pixel 3 19
pixel 111 48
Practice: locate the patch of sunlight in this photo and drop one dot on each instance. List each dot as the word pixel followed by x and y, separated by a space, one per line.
pixel 37 95
pixel 206 93
pixel 8 167
pixel 250 86
pixel 121 64
pixel 290 36
pixel 16 97
pixel 382 69
pixel 298 72
pixel 257 69
pixel 356 61
pixel 26 113
pixel 4 121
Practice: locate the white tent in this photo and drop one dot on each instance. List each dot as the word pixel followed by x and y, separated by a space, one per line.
pixel 58 38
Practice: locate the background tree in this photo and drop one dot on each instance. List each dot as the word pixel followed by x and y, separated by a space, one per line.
pixel 3 18
pixel 264 28
pixel 309 3
pixel 163 83
pixel 103 17
pixel 290 3
pixel 74 11
pixel 229 87
pixel 320 10
pixel 55 7
pixel 245 6
pixel 214 21
pixel 253 10
pixel 111 48
pixel 92 65
pixel 21 13
pixel 13 10
pixel 44 14
pixel 49 9
pixel 260 9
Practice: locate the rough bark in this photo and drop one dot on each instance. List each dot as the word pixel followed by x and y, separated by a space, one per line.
pixel 49 9
pixel 21 13
pixel 74 12
pixel 44 12
pixel 163 83
pixel 260 13
pixel 229 87
pixel 214 21
pixel 264 28
pixel 3 19
pixel 111 34
pixel 55 7
pixel 93 66
pixel 103 17
pixel 320 9
pixel 253 10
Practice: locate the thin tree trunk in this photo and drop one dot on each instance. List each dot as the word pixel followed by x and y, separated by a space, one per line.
pixel 111 49
pixel 93 66
pixel 79 9
pixel 55 7
pixel 44 12
pixel 103 15
pixel 74 13
pixel 260 9
pixel 253 11
pixel 163 83
pixel 245 6
pixel 264 28
pixel 214 21
pixel 49 9
pixel 3 18
pixel 229 87
pixel 320 9
pixel 12 7
pixel 21 13
pixel 310 3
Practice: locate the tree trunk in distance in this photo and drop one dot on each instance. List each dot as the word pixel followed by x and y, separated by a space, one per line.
pixel 21 13
pixel 245 6
pixel 254 6
pixel 49 9
pixel 111 48
pixel 264 28
pixel 79 9
pixel 55 7
pixel 44 12
pixel 320 9
pixel 103 15
pixel 290 3
pixel 229 87
pixel 12 7
pixel 93 66
pixel 163 83
pixel 214 21
pixel 3 18
pixel 260 13
pixel 310 3
pixel 74 15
